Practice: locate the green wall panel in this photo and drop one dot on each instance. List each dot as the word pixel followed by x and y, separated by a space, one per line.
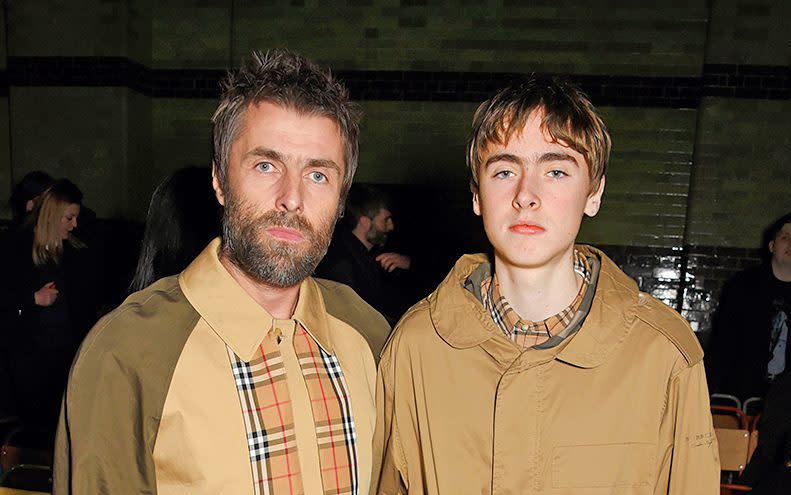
pixel 414 143
pixel 78 133
pixel 68 28
pixel 6 172
pixel 741 180
pixel 194 34
pixel 139 162
pixel 645 197
pixel 181 132
pixel 750 32
pixel 568 36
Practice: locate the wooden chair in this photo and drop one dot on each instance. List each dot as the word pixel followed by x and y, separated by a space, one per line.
pixel 733 438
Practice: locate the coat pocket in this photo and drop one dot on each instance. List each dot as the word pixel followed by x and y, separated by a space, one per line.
pixel 602 465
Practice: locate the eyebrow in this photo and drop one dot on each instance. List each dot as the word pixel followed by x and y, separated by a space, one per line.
pixel 271 154
pixel 545 158
pixel 502 157
pixel 557 157
pixel 265 153
pixel 320 163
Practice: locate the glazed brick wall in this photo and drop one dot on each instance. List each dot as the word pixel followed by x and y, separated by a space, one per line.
pixel 117 94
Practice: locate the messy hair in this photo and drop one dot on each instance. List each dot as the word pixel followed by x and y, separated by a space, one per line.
pixel 291 81
pixel 568 117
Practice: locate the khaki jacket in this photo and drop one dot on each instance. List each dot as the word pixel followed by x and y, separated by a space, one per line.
pixel 152 405
pixel 620 407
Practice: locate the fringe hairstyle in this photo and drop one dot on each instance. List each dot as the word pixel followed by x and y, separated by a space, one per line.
pixel 47 243
pixel 569 118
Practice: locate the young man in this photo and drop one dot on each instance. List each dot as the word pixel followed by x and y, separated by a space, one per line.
pixel 242 375
pixel 543 370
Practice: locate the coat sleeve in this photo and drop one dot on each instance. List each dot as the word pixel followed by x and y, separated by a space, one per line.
pixel 389 475
pixel 104 441
pixel 693 465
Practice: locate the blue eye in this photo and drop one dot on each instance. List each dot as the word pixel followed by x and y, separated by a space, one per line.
pixel 557 174
pixel 264 167
pixel 317 177
pixel 504 174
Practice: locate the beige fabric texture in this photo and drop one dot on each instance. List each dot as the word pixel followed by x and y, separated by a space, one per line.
pixel 152 406
pixel 621 407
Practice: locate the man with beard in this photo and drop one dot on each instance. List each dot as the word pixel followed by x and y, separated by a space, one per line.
pixel 242 374
pixel 355 257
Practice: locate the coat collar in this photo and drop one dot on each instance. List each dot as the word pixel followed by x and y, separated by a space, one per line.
pixel 462 321
pixel 234 316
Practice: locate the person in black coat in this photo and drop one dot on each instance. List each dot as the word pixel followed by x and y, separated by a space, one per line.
pixel 769 470
pixel 747 347
pixel 47 304
pixel 355 255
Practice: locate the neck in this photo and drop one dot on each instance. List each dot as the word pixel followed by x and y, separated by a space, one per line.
pixel 538 293
pixel 279 302
pixel 781 271
pixel 360 235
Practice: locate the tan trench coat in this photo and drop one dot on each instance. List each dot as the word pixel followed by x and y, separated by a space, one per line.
pixel 621 407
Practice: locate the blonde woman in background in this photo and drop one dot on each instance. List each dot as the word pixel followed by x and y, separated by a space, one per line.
pixel 47 302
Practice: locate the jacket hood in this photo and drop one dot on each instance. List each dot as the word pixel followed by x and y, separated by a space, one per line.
pixel 462 321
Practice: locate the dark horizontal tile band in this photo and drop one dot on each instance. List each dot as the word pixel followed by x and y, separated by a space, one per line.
pixel 732 81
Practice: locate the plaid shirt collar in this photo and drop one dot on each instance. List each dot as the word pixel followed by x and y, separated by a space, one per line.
pixel 526 333
pixel 238 320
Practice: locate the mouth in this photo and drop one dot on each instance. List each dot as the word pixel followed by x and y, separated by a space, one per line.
pixel 526 229
pixel 285 234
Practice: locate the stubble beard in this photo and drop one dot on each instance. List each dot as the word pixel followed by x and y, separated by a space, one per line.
pixel 267 260
pixel 375 236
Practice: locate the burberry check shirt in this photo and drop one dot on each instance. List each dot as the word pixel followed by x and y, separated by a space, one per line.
pixel 525 333
pixel 268 410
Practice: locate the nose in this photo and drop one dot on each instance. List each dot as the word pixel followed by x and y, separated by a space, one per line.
pixel 390 225
pixel 526 194
pixel 290 194
pixel 74 223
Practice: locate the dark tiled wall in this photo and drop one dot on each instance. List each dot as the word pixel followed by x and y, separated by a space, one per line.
pixel 696 95
pixel 717 80
pixel 702 269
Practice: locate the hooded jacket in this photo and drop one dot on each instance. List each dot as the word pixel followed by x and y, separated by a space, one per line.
pixel 619 407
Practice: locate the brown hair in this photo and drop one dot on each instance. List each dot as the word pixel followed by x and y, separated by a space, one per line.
pixel 569 118
pixel 290 80
pixel 47 243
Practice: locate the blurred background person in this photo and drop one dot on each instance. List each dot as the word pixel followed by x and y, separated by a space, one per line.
pixel 769 470
pixel 358 255
pixel 747 347
pixel 183 217
pixel 25 193
pixel 22 201
pixel 47 305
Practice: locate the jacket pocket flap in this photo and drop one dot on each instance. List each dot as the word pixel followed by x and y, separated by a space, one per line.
pixel 601 465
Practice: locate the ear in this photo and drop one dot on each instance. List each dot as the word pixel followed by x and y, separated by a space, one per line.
pixel 29 205
pixel 215 184
pixel 593 203
pixel 772 247
pixel 476 202
pixel 364 223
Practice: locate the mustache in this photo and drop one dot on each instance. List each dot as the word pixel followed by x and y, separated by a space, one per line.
pixel 285 219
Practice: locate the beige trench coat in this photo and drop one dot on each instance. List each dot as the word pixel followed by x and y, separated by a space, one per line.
pixel 621 407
